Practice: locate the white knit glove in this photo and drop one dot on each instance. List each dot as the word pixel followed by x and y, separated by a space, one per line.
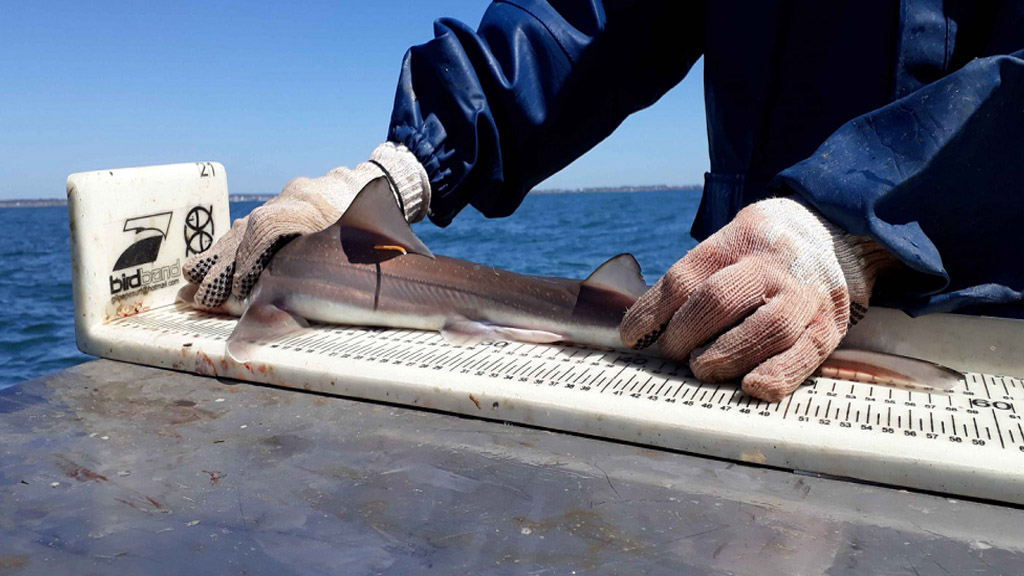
pixel 766 298
pixel 305 205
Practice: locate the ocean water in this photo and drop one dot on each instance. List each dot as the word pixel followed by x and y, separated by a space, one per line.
pixel 551 234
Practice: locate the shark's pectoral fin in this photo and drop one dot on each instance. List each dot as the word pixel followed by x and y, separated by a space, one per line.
pixel 261 323
pixel 468 333
pixel 373 228
pixel 620 275
pixel 187 294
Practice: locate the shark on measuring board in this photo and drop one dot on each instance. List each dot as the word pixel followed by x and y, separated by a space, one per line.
pixel 370 269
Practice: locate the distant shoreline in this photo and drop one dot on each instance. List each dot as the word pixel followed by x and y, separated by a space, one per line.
pixel 32 203
pixel 47 202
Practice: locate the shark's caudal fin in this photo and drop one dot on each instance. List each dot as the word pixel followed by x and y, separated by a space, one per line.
pixel 621 275
pixel 373 228
pixel 261 323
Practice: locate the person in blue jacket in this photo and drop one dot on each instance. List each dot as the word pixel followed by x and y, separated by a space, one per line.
pixel 849 141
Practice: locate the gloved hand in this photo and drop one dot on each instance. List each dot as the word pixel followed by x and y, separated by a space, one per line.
pixel 766 298
pixel 305 205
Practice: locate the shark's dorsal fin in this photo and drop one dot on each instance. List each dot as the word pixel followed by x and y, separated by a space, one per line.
pixel 373 228
pixel 620 274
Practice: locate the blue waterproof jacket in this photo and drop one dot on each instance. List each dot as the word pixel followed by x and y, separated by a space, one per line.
pixel 900 121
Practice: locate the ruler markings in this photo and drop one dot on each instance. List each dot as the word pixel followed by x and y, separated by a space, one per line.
pixel 591 380
pixel 408 355
pixel 508 366
pixel 380 352
pixel 467 358
pixel 360 346
pixel 495 366
pixel 486 363
pixel 995 420
pixel 342 343
pixel 442 358
pixel 543 369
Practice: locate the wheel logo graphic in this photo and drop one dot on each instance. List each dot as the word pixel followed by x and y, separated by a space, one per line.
pixel 198 230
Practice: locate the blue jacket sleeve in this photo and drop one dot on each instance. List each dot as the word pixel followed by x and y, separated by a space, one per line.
pixel 936 177
pixel 492 113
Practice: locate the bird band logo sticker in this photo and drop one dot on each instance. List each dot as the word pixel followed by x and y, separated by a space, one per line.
pixel 198 230
pixel 134 272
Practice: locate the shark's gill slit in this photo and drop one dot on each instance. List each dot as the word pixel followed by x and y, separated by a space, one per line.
pixel 376 289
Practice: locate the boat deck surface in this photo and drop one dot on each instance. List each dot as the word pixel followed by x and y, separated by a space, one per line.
pixel 116 468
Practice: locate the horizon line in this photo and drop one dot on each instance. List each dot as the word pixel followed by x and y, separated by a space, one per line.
pixel 44 202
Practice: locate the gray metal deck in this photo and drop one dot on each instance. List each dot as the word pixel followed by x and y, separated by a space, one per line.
pixel 115 468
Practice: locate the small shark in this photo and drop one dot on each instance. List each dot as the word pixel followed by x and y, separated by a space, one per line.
pixel 370 269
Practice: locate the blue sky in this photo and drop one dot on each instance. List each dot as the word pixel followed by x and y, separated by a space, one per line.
pixel 274 90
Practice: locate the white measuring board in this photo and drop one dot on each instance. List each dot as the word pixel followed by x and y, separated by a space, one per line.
pixel 969 442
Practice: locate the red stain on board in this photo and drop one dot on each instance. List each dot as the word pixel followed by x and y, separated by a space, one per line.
pixel 203 364
pixel 215 476
pixel 78 472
